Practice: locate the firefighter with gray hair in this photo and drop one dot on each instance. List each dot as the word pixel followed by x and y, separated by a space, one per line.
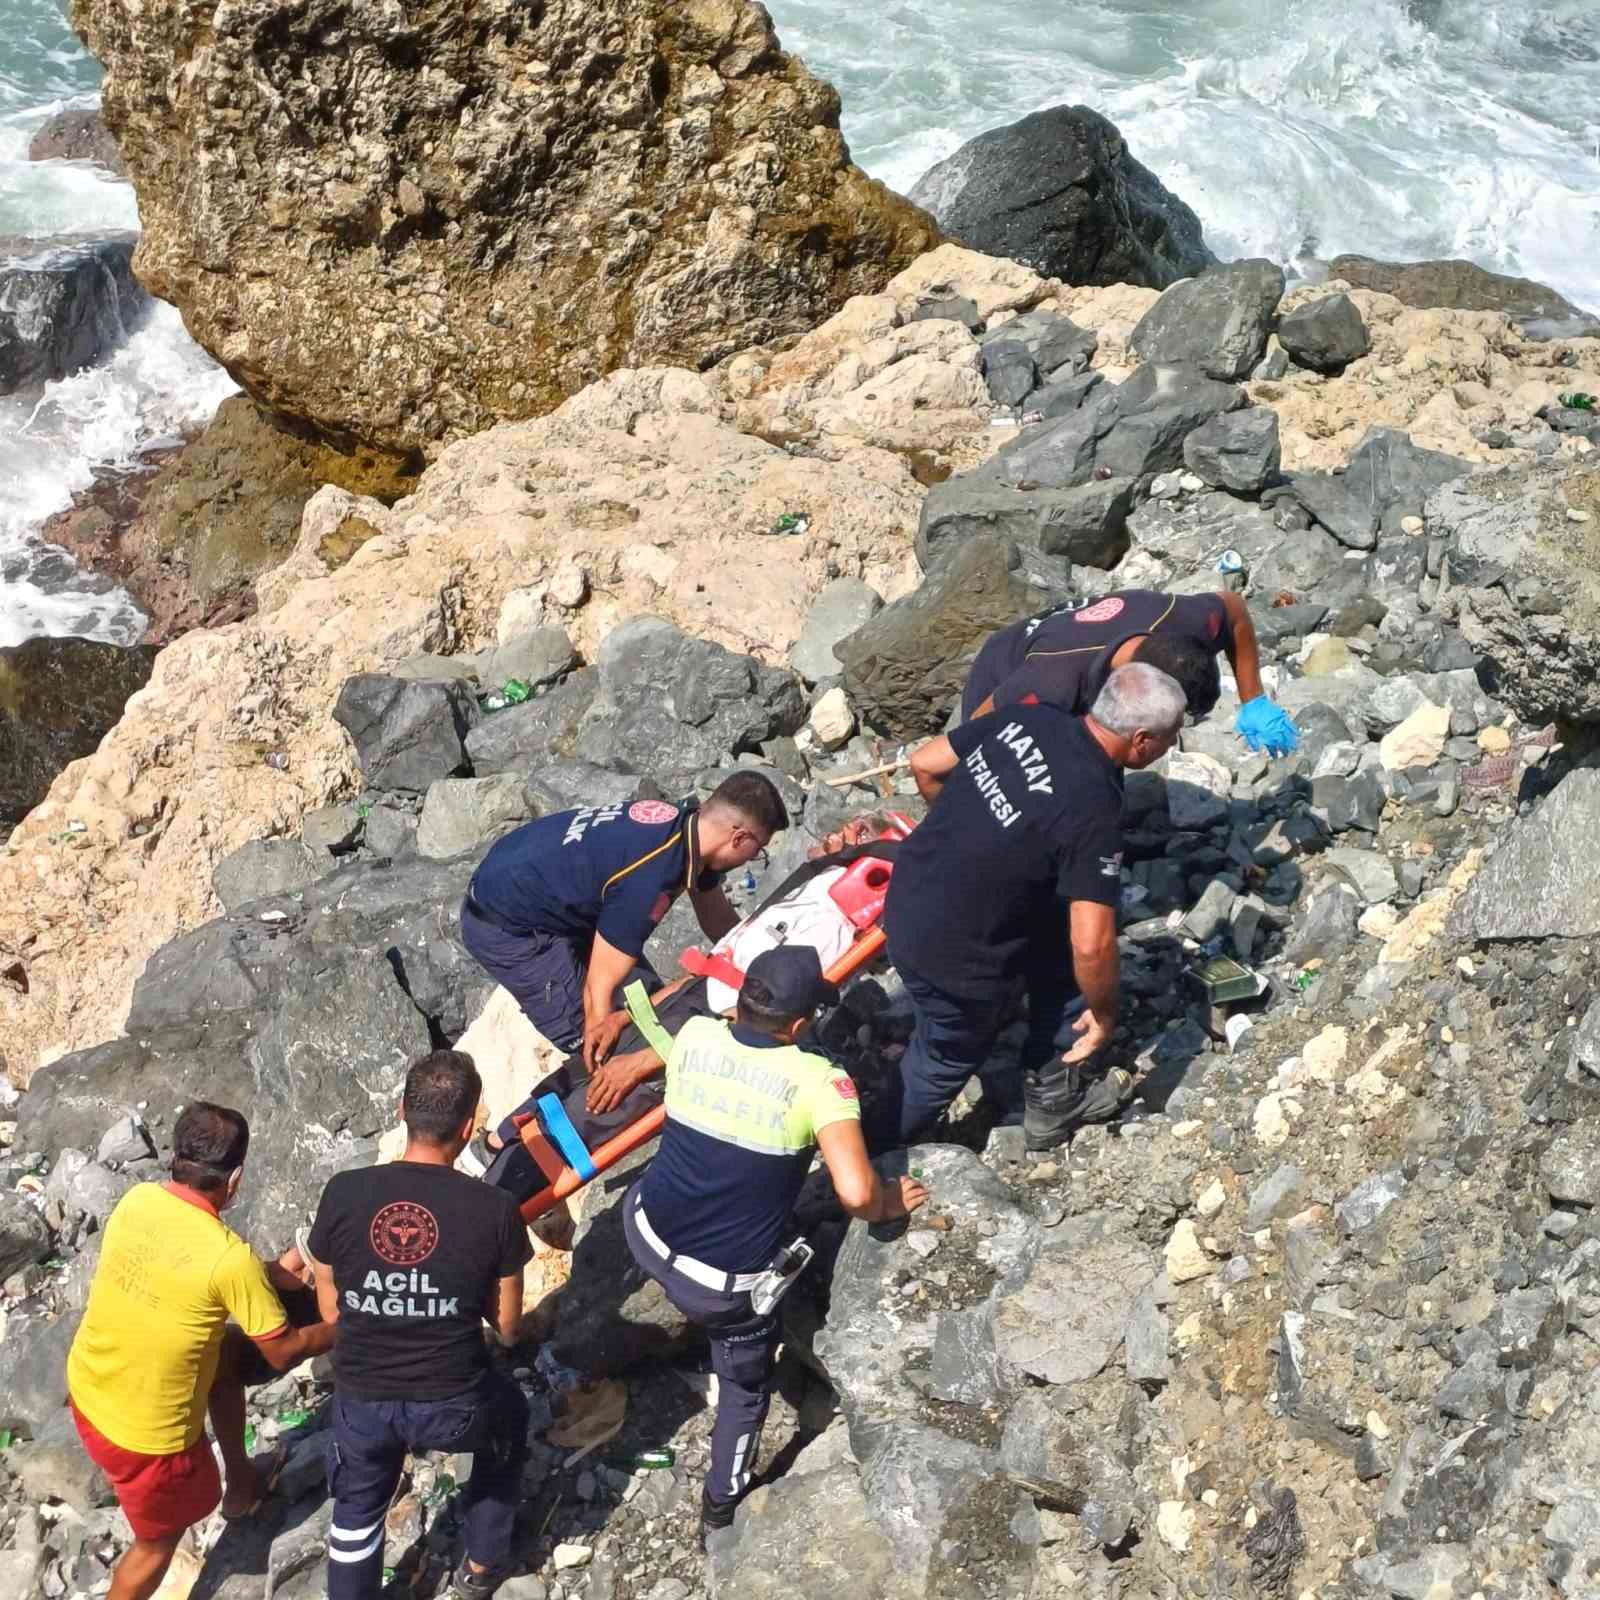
pixel 1015 877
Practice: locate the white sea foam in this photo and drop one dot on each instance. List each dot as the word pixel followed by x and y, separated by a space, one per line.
pixel 1406 130
pixel 1400 128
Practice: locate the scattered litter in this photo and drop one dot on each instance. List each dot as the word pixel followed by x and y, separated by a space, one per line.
pixel 595 1413
pixel 1275 1545
pixel 278 761
pixel 791 523
pixel 1579 401
pixel 1230 561
pixel 274 916
pixel 562 1379
pixel 513 692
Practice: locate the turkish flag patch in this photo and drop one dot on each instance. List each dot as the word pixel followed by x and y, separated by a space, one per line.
pixel 846 1088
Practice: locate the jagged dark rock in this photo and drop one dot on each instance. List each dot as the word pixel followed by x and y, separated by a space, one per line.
pixel 64 304
pixel 1060 191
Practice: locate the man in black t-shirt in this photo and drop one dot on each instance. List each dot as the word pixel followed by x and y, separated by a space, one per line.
pixel 1017 872
pixel 412 1259
pixel 1064 655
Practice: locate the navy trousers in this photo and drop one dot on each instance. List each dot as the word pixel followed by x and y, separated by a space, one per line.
pixel 743 1346
pixel 954 1039
pixel 370 1442
pixel 545 974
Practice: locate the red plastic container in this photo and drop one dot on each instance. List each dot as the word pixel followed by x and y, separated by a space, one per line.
pixel 860 893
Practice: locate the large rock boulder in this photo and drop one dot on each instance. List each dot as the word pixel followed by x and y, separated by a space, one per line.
pixel 63 305
pixel 836 613
pixel 77 136
pixel 58 698
pixel 407 733
pixel 1060 191
pixel 1062 489
pixel 1465 286
pixel 807 1536
pixel 305 1013
pixel 538 195
pixel 1388 478
pixel 1544 880
pixel 1325 335
pixel 669 705
pixel 1219 321
pixel 904 670
pixel 1041 1314
pixel 1532 601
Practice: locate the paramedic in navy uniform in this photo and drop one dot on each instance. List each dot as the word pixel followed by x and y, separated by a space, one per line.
pixel 559 910
pixel 1065 655
pixel 1017 873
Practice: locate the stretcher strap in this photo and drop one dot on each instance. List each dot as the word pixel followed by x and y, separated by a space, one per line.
pixel 566 1137
pixel 637 1004
pixel 715 965
pixel 543 1152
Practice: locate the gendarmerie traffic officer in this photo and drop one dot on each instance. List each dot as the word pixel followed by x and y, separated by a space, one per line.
pixel 559 910
pixel 1064 656
pixel 1016 873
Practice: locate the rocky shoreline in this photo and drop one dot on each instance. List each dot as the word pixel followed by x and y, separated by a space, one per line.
pixel 1317 1315
pixel 1096 1373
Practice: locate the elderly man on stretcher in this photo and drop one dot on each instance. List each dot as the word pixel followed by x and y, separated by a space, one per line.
pixel 832 902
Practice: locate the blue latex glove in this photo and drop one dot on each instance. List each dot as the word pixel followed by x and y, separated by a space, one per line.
pixel 1265 726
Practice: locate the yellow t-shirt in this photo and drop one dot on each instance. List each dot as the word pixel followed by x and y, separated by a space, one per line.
pixel 171 1273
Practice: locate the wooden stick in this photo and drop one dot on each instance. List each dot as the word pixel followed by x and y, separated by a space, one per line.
pixel 871 772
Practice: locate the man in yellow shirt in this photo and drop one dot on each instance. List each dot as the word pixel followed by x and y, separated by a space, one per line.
pixel 144 1367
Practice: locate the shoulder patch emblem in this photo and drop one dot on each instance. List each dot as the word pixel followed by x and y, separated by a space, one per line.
pixel 1101 610
pixel 651 812
pixel 846 1088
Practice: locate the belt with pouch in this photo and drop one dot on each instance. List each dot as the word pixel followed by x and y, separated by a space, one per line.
pixel 707 1277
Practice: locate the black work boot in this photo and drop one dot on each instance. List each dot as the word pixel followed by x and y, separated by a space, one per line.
pixel 1060 1098
pixel 714 1514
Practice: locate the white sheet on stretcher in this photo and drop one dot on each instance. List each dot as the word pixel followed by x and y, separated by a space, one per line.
pixel 805 916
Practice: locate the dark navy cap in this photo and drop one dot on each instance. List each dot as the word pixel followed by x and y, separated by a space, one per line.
pixel 787 982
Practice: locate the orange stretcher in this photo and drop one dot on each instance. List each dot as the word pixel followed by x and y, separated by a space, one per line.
pixel 564 1179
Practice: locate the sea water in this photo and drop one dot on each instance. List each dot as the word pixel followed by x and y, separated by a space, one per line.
pixel 1296 129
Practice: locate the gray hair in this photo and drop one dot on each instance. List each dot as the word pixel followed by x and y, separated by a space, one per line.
pixel 1140 696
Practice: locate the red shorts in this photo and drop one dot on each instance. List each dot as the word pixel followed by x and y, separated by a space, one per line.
pixel 159 1495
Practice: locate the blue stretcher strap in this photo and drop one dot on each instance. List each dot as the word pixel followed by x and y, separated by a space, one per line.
pixel 559 1126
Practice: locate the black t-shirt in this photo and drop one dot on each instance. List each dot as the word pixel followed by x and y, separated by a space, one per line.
pixel 417 1253
pixel 1029 821
pixel 1063 656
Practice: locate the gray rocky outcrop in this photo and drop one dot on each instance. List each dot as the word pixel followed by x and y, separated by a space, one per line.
pixel 845 605
pixel 539 196
pixel 1532 602
pixel 1325 335
pixel 1239 451
pixel 406 732
pixel 63 305
pixel 1060 191
pixel 460 814
pixel 1387 479
pixel 61 698
pixel 905 668
pixel 667 706
pixel 1062 490
pixel 77 136
pixel 1544 880
pixel 1217 322
pixel 1465 286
